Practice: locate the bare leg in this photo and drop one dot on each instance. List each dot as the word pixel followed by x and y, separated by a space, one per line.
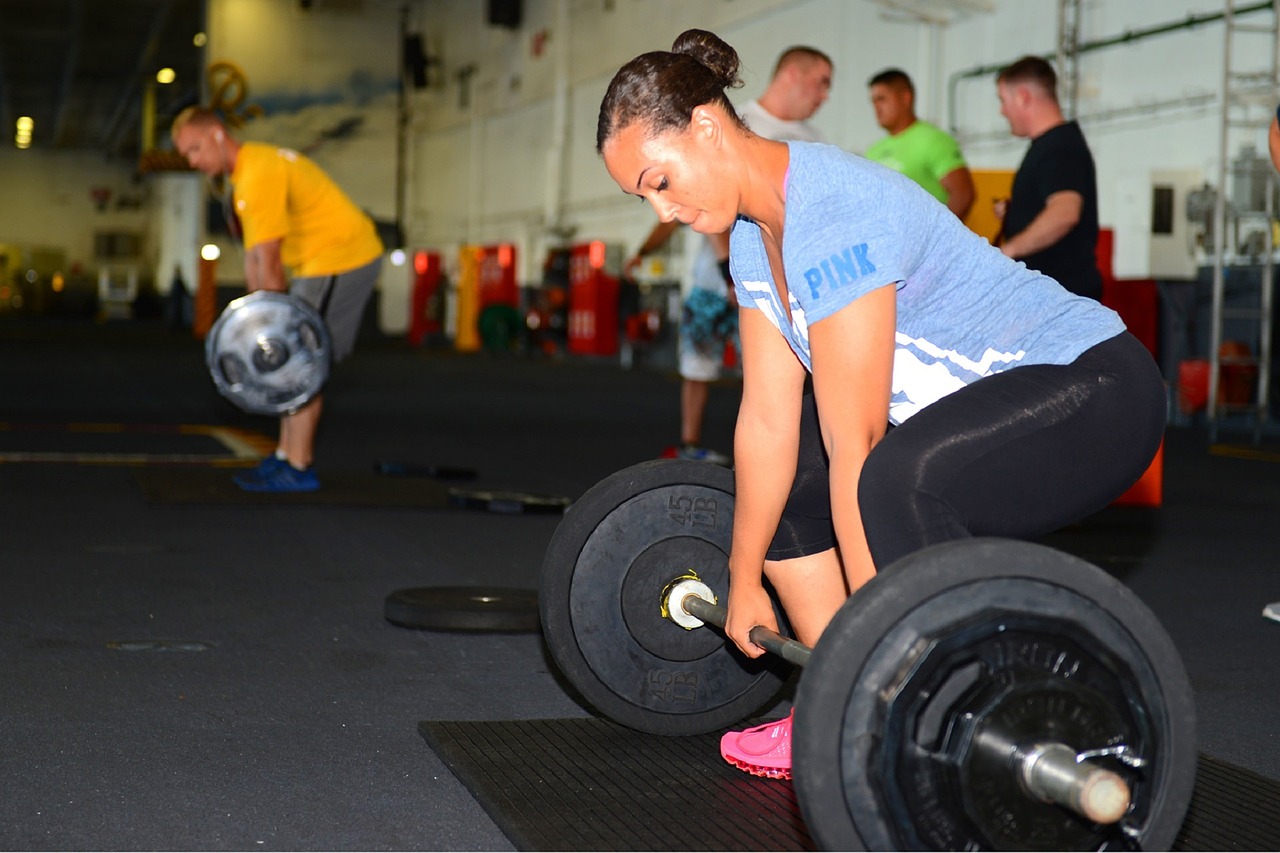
pixel 810 589
pixel 298 433
pixel 693 407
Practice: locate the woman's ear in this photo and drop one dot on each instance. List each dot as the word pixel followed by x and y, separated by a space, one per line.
pixel 707 124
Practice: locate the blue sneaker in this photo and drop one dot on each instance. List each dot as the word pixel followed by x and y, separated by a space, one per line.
pixel 269 463
pixel 281 478
pixel 702 454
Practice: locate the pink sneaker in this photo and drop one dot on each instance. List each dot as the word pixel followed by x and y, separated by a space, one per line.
pixel 761 751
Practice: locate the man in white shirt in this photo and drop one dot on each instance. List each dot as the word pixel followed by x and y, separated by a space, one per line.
pixel 800 85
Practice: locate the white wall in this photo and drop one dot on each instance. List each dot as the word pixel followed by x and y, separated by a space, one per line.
pixel 478 171
pixel 47 203
pixel 321 80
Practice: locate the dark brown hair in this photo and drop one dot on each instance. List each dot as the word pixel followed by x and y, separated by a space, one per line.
pixel 662 88
pixel 895 77
pixel 1033 70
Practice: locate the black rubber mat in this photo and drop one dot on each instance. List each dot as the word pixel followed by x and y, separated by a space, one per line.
pixel 589 784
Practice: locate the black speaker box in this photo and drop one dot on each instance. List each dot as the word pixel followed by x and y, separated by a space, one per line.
pixel 415 60
pixel 504 13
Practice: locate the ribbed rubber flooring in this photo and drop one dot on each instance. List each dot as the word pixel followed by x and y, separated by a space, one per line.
pixel 588 784
pixel 1231 809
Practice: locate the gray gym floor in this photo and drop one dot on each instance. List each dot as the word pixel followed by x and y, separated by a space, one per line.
pixel 221 677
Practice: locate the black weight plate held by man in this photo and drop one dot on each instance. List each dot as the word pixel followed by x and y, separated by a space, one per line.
pixel 930 673
pixel 463 608
pixel 268 352
pixel 601 592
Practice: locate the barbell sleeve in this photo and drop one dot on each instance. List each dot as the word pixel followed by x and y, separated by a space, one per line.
pixel 771 641
pixel 1053 772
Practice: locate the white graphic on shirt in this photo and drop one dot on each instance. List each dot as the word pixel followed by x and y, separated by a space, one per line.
pixel 981 367
pixel 916 384
pixel 766 300
pixel 921 374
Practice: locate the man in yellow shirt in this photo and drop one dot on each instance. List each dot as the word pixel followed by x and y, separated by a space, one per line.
pixel 302 234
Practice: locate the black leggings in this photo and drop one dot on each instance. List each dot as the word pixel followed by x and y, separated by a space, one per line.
pixel 1017 454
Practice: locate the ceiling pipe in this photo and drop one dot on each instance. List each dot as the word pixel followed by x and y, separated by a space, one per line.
pixel 75 29
pixel 6 107
pixel 116 127
pixel 1126 37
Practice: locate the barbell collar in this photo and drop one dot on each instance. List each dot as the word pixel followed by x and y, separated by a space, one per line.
pixel 786 648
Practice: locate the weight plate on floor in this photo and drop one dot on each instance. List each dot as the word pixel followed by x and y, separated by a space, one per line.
pixel 438 472
pixel 601 592
pixel 268 353
pixel 507 502
pixel 463 608
pixel 974 642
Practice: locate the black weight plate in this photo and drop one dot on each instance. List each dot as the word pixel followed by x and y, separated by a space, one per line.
pixel 1023 636
pixel 507 502
pixel 600 595
pixel 463 608
pixel 438 472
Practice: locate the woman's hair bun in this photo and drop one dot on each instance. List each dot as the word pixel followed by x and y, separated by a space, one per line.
pixel 713 53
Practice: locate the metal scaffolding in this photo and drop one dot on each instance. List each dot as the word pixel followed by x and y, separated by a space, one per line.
pixel 1248 101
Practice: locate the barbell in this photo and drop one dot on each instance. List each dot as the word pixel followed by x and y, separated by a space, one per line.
pixel 269 352
pixel 978 694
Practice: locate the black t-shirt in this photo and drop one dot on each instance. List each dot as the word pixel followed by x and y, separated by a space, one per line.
pixel 1058 160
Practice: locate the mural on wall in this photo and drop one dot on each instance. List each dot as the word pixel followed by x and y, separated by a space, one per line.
pixel 323 80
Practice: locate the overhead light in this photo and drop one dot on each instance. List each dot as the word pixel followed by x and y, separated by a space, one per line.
pixel 199 39
pixel 210 252
pixel 165 75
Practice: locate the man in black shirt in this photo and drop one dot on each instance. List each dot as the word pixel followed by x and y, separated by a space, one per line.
pixel 1051 217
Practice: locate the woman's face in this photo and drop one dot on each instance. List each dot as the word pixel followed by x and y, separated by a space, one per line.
pixel 678 172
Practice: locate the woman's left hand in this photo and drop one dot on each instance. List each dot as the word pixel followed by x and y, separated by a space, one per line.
pixel 749 606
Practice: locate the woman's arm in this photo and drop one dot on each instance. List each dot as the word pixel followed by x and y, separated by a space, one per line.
pixel 764 456
pixel 852 352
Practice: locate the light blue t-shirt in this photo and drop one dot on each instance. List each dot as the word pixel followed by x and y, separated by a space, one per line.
pixel 964 310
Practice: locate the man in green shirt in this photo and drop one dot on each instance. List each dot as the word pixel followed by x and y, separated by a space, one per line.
pixel 921 151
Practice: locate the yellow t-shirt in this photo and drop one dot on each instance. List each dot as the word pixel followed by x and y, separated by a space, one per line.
pixel 283 195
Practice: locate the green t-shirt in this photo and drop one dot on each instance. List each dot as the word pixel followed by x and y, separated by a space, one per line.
pixel 924 153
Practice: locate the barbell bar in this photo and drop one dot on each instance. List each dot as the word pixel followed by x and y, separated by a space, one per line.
pixel 930 714
pixel 1049 771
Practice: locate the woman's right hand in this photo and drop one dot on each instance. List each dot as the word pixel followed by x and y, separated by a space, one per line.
pixel 749 605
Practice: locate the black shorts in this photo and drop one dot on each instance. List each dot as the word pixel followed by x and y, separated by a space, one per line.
pixel 1017 454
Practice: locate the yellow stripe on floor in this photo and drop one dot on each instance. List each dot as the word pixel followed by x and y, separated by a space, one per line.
pixel 243 446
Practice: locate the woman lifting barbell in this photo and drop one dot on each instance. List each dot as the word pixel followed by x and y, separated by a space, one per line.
pixel 955 392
